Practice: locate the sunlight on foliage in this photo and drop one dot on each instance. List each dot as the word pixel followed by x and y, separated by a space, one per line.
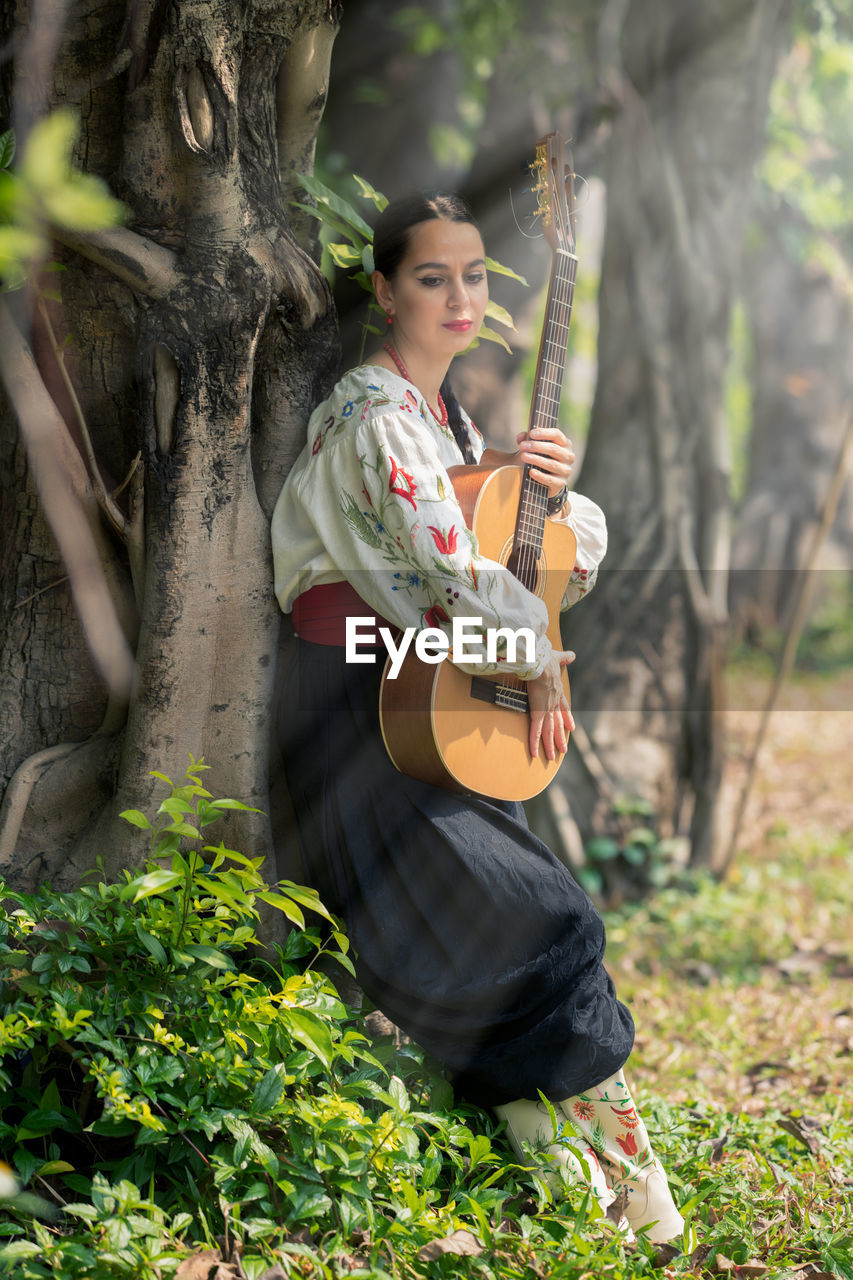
pixel 174 1092
pixel 355 252
pixel 45 190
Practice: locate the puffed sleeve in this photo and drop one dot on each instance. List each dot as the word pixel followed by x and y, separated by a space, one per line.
pixel 384 508
pixel 586 519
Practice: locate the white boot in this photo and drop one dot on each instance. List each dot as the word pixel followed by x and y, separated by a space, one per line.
pixel 529 1122
pixel 607 1117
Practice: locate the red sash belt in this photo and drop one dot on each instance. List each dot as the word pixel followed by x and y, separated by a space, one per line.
pixel 320 614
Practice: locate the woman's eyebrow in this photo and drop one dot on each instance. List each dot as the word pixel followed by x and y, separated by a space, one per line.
pixel 442 266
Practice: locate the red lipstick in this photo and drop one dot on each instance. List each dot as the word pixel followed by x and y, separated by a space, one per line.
pixel 458 326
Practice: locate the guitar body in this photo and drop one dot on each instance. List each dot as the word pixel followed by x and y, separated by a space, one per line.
pixel 439 723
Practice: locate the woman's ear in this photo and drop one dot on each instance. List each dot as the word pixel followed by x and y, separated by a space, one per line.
pixel 383 291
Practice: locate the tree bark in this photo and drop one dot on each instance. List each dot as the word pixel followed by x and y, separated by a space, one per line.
pixel 802 331
pixel 202 335
pixel 689 86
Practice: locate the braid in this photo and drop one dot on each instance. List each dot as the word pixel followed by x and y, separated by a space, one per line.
pixel 455 420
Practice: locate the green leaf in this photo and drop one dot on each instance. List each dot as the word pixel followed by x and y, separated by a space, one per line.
pixel 19 1249
pixel 152 882
pixel 55 1166
pixel 500 314
pixel 7 148
pixel 269 1090
pixel 152 944
pixel 226 803
pixel 183 829
pixel 46 159
pixel 289 908
pixel 136 819
pixel 500 270
pixel 335 203
pixel 369 192
pixel 83 203
pixel 311 1031
pixel 309 898
pixel 491 335
pixel 19 248
pixel 344 255
pixel 210 955
pixel 175 806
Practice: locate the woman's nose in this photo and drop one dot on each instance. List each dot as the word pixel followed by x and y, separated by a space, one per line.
pixel 458 294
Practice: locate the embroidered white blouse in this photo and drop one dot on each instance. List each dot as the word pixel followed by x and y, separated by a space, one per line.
pixel 369 501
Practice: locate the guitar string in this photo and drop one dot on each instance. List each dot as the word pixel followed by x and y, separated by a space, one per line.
pixel 534 501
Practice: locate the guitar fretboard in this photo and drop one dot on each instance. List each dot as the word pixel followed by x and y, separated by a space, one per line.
pixel 532 506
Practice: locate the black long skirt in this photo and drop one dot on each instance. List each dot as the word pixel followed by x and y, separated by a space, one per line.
pixel 468 933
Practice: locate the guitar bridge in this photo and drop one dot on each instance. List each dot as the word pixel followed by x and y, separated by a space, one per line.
pixel 502 695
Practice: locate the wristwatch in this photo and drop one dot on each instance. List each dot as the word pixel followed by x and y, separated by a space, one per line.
pixel 555 504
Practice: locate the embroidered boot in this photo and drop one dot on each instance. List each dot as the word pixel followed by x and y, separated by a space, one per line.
pixel 529 1122
pixel 607 1118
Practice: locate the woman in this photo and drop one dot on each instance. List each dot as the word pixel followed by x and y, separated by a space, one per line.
pixel 468 933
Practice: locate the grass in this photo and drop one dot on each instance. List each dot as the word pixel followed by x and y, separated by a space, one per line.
pixel 743 1068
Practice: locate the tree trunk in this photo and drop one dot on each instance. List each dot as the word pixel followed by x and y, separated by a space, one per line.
pixel 202 335
pixel 690 99
pixel 802 330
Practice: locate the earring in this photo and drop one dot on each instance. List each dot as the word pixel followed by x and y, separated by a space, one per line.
pixel 389 317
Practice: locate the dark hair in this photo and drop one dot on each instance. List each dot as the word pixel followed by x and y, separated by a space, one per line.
pixel 391 237
pixel 397 220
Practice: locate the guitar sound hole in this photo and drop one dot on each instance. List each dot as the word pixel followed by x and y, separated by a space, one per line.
pixel 525 565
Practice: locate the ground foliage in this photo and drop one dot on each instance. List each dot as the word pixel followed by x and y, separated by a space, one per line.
pixel 180 1104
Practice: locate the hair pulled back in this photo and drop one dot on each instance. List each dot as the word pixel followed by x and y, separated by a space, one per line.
pixel 397 220
pixel 391 237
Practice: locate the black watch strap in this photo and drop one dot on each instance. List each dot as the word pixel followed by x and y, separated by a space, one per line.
pixel 555 504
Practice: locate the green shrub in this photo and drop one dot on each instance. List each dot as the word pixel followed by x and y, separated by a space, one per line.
pixel 168 1085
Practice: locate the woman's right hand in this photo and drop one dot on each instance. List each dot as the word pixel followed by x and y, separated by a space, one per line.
pixel 550 717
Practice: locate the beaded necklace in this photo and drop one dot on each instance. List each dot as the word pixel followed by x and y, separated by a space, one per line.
pixel 441 418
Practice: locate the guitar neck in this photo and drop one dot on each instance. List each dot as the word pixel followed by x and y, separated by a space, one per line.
pixel 545 403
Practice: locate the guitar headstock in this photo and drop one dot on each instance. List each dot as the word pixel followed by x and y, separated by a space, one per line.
pixel 554 187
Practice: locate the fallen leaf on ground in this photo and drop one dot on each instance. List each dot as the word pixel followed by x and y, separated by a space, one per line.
pixel 207 1265
pixel 460 1242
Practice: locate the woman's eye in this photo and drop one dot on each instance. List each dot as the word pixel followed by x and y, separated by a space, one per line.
pixel 430 281
pixel 476 277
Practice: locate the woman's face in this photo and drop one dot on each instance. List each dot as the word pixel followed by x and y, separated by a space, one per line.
pixel 439 292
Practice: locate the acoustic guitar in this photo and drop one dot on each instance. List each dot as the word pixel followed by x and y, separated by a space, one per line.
pixel 440 724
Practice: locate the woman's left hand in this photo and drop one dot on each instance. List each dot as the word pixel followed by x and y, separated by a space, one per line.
pixel 549 455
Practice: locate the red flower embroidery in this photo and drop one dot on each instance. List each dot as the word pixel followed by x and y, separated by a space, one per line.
pixel 628 1117
pixel 367 495
pixel 402 483
pixel 446 545
pixel 435 615
pixel 474 577
pixel 583 1109
pixel 628 1143
pixel 316 446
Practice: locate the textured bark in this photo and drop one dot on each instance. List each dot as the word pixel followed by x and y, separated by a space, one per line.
pixel 689 85
pixel 202 335
pixel 802 330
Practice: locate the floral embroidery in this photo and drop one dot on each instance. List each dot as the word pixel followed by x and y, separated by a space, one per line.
pixel 318 443
pixel 435 615
pixel 584 1109
pixel 346 412
pixel 404 487
pixel 366 494
pixel 446 543
pixel 628 1117
pixel 628 1143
